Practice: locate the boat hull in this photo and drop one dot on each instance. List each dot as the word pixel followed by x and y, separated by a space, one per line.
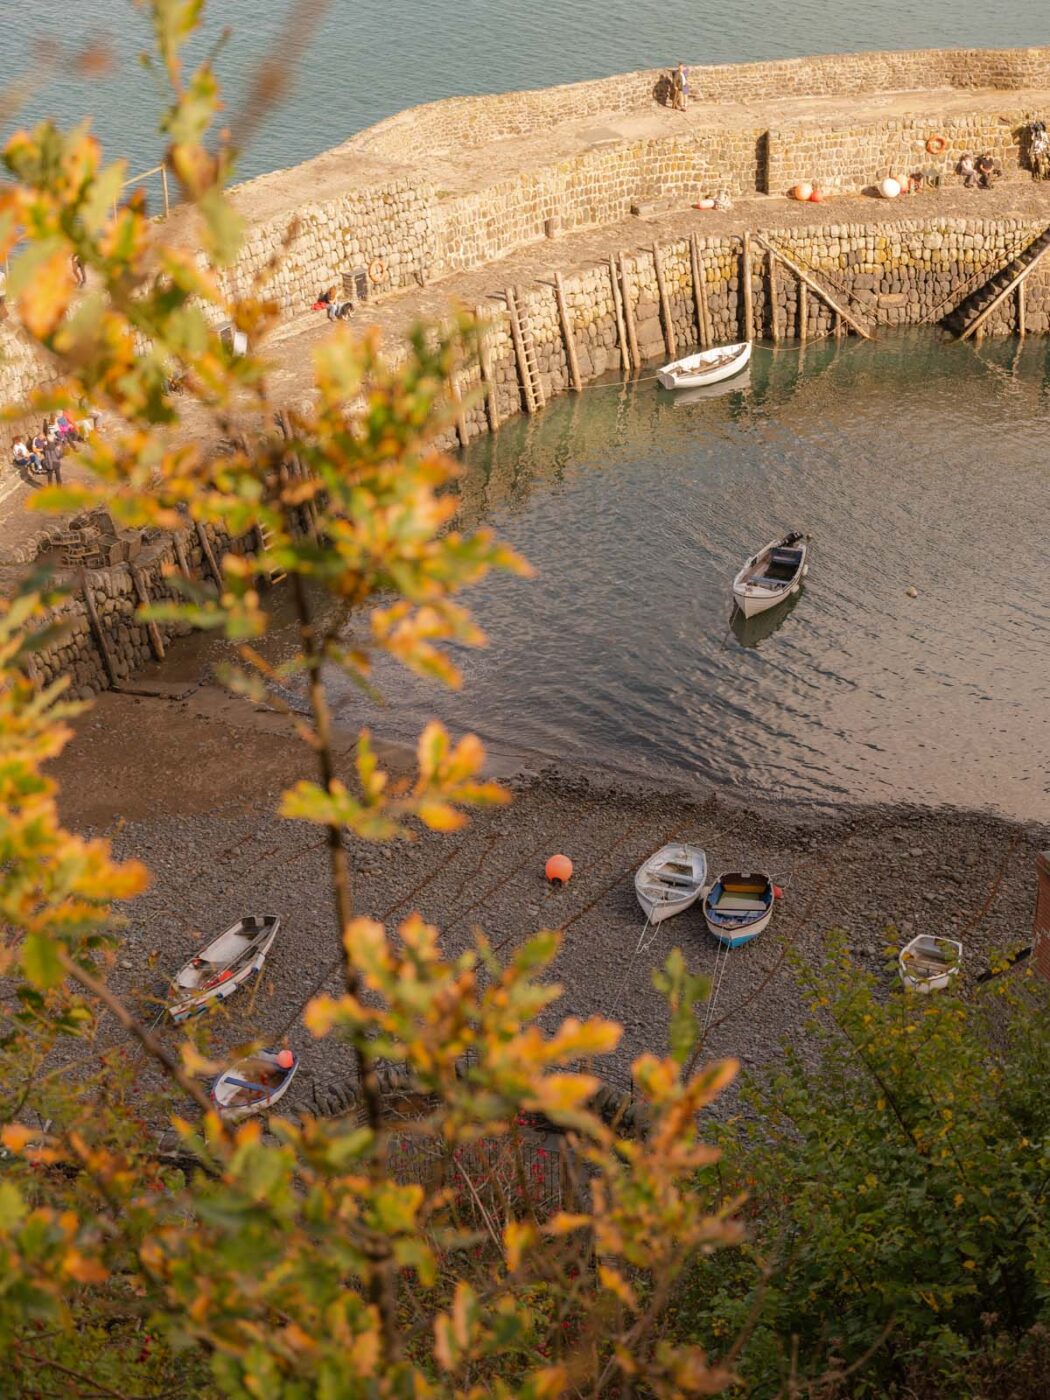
pixel 657 911
pixel 237 1112
pixel 683 375
pixel 753 597
pixel 737 937
pixel 670 881
pixel 185 1002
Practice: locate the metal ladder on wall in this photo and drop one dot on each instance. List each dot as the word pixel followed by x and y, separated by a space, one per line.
pixel 525 349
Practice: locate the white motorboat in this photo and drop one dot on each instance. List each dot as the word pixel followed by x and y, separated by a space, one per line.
pixel 225 964
pixel 254 1084
pixel 929 963
pixel 670 881
pixel 772 575
pixel 706 367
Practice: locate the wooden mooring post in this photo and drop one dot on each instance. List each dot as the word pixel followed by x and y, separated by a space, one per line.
pixel 817 289
pixel 484 360
pixel 1020 310
pixel 803 312
pixel 567 334
pixel 96 629
pixel 209 553
pixel 665 306
pixel 457 404
pixel 703 313
pixel 621 331
pixel 628 312
pixel 771 283
pixel 745 283
pixel 142 594
pixel 180 555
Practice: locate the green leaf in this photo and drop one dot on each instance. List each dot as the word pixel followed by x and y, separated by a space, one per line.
pixel 40 961
pixel 12 1207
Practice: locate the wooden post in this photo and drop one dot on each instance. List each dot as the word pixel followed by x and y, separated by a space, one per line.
pixel 567 335
pixel 837 324
pixel 820 291
pixel 1020 310
pixel 164 183
pixel 745 282
pixel 774 329
pixel 209 554
pixel 485 362
pixel 142 593
pixel 457 402
pixel 180 555
pixel 628 313
pixel 703 317
pixel 625 354
pixel 100 636
pixel 665 305
pixel 803 311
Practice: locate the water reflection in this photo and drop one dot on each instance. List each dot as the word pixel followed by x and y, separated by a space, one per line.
pixel 753 631
pixel 908 460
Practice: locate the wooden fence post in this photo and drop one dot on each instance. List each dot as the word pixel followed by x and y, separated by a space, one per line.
pixel 567 333
pixel 665 305
pixel 628 312
pixel 625 354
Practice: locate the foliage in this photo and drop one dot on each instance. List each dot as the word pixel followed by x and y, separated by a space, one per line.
pixel 899 1186
pixel 297 1261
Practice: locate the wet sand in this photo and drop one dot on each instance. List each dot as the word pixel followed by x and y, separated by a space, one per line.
pixel 187 780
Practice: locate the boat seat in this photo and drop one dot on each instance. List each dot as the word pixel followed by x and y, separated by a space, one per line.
pixel 739 904
pixel 766 582
pixel 787 556
pixel 247 1084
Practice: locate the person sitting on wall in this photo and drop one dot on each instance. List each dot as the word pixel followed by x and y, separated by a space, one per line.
pixel 24 458
pixel 987 170
pixel 967 170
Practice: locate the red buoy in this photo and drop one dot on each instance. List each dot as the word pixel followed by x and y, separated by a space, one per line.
pixel 778 893
pixel 286 1059
pixel 559 870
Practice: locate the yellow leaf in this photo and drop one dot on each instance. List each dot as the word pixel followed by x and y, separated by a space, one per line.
pixel 517 1236
pixel 615 1282
pixel 364 1354
pixel 43 301
pixel 82 1269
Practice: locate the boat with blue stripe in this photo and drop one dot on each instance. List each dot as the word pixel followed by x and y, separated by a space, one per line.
pixel 738 906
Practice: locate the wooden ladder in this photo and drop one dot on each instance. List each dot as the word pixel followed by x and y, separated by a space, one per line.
pixel 264 535
pixel 525 350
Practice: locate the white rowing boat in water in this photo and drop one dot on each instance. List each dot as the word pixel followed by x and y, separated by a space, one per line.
pixel 225 964
pixel 670 881
pixel 929 963
pixel 254 1084
pixel 706 367
pixel 772 575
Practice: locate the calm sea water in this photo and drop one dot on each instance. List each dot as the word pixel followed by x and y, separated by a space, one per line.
pixel 365 59
pixel 913 463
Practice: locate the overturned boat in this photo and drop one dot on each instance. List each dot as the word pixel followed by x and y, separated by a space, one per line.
pixel 772 575
pixel 738 907
pixel 254 1084
pixel 225 964
pixel 706 367
pixel 929 963
pixel 670 881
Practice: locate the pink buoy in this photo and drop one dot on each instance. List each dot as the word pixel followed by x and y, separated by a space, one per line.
pixel 286 1059
pixel 559 870
pixel 778 893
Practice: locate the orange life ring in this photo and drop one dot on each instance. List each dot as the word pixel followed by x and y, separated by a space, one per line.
pixel 936 144
pixel 377 270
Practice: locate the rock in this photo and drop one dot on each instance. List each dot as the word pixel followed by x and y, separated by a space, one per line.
pixel 913 592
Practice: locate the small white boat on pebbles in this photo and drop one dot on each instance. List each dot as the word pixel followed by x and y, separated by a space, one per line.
pixel 706 367
pixel 254 1084
pixel 929 963
pixel 772 575
pixel 225 964
pixel 670 881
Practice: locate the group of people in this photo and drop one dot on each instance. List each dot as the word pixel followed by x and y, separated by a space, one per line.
pixel 42 455
pixel 978 171
pixel 336 310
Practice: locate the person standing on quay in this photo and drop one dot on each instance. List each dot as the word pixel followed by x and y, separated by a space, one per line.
pixel 680 84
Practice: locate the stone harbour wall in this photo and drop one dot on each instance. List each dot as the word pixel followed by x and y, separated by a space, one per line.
pixel 459 123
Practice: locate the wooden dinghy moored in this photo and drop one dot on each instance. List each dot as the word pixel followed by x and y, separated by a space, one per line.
pixel 225 964
pixel 772 575
pixel 738 907
pixel 929 963
pixel 670 881
pixel 254 1084
pixel 707 367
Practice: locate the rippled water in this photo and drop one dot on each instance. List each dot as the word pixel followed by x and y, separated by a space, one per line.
pixel 911 462
pixel 369 58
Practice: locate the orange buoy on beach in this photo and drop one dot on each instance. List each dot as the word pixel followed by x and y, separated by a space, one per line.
pixel 778 893
pixel 559 870
pixel 286 1059
pixel 817 197
pixel 802 192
